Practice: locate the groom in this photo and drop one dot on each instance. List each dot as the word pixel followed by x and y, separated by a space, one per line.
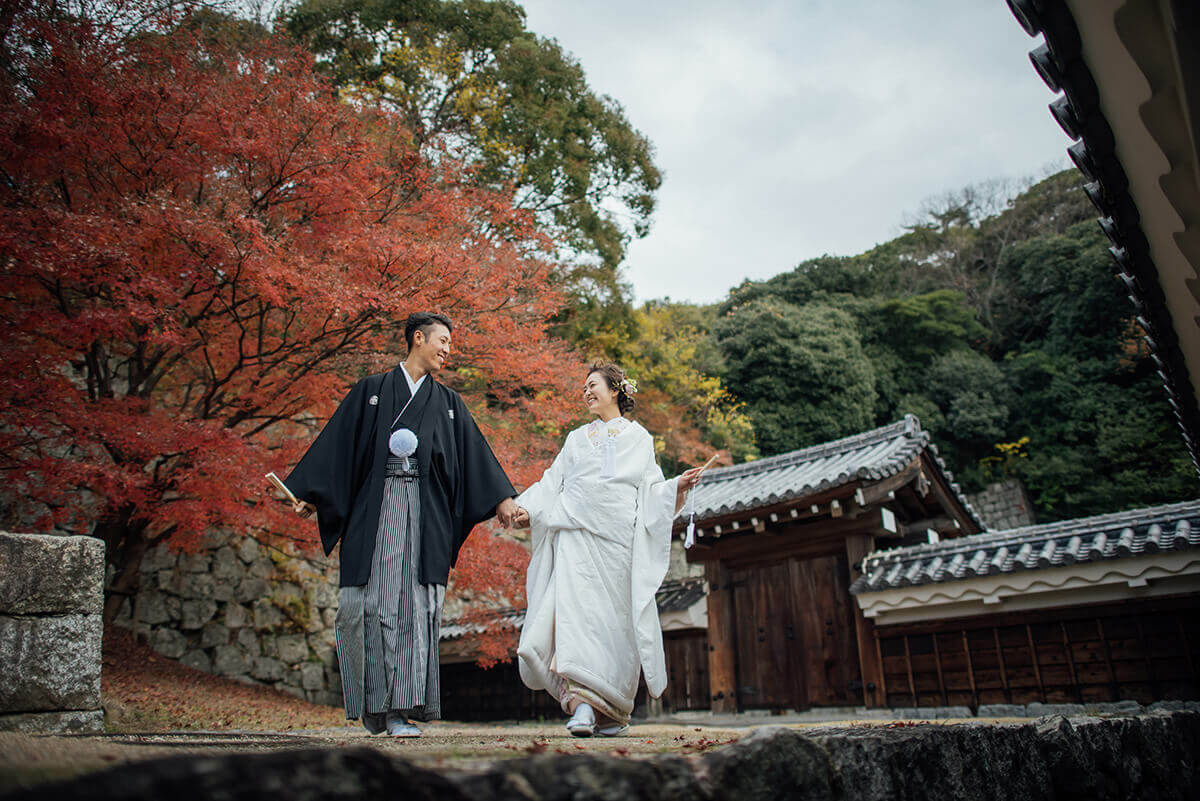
pixel 399 476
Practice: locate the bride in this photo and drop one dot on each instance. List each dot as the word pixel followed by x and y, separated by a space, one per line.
pixel 600 520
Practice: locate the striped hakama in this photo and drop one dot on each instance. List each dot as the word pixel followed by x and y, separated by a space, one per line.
pixel 387 632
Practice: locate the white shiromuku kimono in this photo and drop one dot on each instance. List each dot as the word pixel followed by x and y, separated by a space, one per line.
pixel 600 520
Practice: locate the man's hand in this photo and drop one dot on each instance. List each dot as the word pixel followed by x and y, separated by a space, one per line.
pixel 506 510
pixel 303 508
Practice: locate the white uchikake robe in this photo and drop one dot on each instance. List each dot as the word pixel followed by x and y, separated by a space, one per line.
pixel 601 546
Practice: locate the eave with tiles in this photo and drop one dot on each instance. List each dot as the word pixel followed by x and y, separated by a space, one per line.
pixel 1129 76
pixel 1139 554
pixel 887 483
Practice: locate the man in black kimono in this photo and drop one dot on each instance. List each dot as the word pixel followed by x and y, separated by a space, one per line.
pixel 399 476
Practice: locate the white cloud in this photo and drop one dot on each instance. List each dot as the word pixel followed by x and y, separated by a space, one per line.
pixel 791 129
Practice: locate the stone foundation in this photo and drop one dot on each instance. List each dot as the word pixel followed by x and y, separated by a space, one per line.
pixel 1147 757
pixel 51 604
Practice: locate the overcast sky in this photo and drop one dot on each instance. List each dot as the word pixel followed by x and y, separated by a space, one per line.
pixel 788 129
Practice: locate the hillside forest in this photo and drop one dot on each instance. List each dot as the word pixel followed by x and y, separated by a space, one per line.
pixel 213 225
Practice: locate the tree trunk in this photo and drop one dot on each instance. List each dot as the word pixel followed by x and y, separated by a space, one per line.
pixel 126 542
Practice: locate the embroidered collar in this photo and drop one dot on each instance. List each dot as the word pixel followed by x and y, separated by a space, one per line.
pixel 598 430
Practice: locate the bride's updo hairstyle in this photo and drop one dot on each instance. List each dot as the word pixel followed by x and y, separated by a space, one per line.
pixel 617 382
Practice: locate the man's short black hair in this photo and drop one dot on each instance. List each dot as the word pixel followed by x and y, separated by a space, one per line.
pixel 423 321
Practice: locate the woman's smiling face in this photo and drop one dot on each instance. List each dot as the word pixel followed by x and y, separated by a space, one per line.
pixel 597 394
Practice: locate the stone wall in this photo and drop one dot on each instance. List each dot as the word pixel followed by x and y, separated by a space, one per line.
pixel 51 626
pixel 1004 505
pixel 243 610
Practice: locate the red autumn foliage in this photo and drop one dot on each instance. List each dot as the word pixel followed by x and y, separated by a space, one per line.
pixel 201 250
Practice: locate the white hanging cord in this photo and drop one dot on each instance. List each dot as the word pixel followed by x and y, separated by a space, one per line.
pixel 689 538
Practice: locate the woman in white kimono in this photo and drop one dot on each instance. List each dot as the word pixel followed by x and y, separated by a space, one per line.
pixel 600 520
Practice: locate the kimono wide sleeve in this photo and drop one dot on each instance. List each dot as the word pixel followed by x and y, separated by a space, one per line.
pixel 651 555
pixel 335 465
pixel 540 498
pixel 483 482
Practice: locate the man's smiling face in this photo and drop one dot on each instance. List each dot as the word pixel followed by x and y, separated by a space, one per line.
pixel 431 348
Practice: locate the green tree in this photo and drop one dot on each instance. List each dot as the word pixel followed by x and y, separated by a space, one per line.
pixel 682 398
pixel 467 77
pixel 801 371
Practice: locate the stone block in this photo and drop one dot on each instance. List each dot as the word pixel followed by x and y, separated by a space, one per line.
pixel 197 586
pixel 228 660
pixel 1116 708
pixel 50 663
pixel 330 617
pixel 195 562
pixel 266 615
pixel 252 589
pixel 1037 709
pixel 324 595
pixel 267 669
pixel 214 634
pixel 160 557
pixel 198 659
pixel 262 567
pixel 197 613
pixel 323 647
pixel 174 607
pixel 167 580
pixel 268 643
pixel 326 697
pixel 292 649
pixel 56 574
pixel 168 642
pixel 223 591
pixel 226 566
pixel 247 550
pixel 248 640
pixel 312 676
pixel 124 617
pixel 1002 711
pixel 291 689
pixel 70 722
pixel 152 608
pixel 236 616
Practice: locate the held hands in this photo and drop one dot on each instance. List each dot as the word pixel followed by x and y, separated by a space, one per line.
pixel 510 515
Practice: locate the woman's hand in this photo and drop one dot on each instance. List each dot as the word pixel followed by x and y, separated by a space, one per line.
pixel 521 518
pixel 687 480
pixel 690 478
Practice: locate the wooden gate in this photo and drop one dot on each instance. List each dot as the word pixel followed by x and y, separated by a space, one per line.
pixel 795 636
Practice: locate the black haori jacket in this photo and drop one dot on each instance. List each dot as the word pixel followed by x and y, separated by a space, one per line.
pixel 342 474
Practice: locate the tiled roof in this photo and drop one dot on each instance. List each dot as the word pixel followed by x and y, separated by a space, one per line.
pixel 676 596
pixel 870 456
pixel 1174 527
pixel 503 618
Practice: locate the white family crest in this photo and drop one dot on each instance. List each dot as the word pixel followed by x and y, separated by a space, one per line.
pixel 373 400
pixel 451 413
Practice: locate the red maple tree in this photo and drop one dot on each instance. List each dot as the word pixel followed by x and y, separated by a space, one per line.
pixel 201 249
